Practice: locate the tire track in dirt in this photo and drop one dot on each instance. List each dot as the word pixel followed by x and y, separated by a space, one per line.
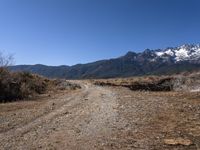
pixel 92 112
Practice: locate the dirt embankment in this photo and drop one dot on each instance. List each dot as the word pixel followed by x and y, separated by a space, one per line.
pixel 163 84
pixel 15 86
pixel 183 82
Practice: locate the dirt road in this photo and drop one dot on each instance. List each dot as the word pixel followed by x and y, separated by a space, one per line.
pixel 97 117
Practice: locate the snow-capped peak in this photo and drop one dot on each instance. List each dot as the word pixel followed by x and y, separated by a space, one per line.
pixel 165 52
pixel 182 53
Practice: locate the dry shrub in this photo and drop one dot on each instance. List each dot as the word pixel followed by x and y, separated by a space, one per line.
pixel 21 85
pixel 14 86
pixel 150 83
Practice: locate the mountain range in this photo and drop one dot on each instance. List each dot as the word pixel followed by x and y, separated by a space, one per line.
pixel 149 62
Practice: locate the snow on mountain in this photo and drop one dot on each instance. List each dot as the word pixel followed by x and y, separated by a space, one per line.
pixel 169 52
pixel 182 53
pixel 160 53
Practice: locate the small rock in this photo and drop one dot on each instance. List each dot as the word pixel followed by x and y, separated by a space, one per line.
pixel 40 146
pixel 65 113
pixel 178 141
pixel 127 96
pixel 158 137
pixel 53 129
pixel 77 130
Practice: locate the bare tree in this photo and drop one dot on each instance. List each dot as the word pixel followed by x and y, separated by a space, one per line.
pixel 6 60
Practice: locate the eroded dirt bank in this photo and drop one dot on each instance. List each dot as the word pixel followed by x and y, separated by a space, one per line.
pixel 96 117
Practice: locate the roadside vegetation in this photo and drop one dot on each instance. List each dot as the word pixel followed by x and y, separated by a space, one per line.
pixel 151 83
pixel 23 85
pixel 180 82
pixel 15 86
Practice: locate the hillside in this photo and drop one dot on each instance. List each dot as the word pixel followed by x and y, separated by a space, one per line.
pixel 16 86
pixel 148 62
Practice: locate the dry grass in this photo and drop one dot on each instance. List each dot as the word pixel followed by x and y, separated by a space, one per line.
pixel 150 83
pixel 24 85
pixel 181 82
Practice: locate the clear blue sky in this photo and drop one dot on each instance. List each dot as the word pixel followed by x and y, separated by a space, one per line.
pixel 57 32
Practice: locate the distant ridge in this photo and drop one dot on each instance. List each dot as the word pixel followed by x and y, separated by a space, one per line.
pixel 150 62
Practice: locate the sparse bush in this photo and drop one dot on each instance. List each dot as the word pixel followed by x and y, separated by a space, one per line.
pixel 151 83
pixel 21 85
pixel 6 60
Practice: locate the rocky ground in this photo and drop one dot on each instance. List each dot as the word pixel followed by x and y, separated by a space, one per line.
pixel 96 117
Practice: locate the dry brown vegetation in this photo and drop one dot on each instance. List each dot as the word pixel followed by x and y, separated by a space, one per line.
pixel 151 83
pixel 21 85
pixel 186 82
